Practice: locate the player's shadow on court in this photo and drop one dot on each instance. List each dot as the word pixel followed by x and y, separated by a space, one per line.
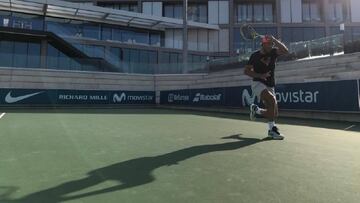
pixel 130 173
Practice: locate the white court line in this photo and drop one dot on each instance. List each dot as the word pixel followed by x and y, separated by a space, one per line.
pixel 349 127
pixel 2 115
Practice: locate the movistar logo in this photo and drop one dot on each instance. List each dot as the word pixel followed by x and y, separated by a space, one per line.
pixel 248 99
pixel 120 98
pixel 10 99
pixel 299 96
pixel 123 97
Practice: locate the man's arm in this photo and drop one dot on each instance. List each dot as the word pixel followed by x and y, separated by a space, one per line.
pixel 282 49
pixel 249 70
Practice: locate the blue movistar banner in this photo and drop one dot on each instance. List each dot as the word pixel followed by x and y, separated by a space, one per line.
pixel 331 96
pixel 337 96
pixel 74 97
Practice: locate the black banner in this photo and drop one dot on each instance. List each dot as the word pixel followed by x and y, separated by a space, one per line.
pixel 331 96
pixel 74 97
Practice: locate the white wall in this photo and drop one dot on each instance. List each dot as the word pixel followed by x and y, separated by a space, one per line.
pixel 203 40
pixel 213 14
pixel 213 41
pixel 285 8
pixel 152 8
pixel 223 12
pixel 296 11
pixel 199 40
pixel 169 38
pixel 224 40
pixel 178 42
pixel 218 12
pixel 193 40
pixel 355 10
pixel 291 11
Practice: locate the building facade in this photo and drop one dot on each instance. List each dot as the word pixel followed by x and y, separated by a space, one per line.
pixel 290 20
pixel 130 45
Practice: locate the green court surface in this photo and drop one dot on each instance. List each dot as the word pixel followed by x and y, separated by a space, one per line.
pixel 158 155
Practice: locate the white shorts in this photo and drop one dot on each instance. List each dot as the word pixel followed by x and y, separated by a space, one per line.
pixel 258 87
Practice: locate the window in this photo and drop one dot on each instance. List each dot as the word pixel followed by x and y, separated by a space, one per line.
pixel 26 21
pixel 20 54
pixel 94 51
pixel 127 7
pixel 178 11
pixel 311 11
pixel 114 56
pixel 355 33
pixel 173 11
pixel 255 12
pixel 91 31
pixel 244 12
pixel 6 52
pixel 302 34
pixel 258 12
pixel 106 33
pixel 197 12
pixel 141 38
pixel 203 13
pixel 64 27
pixel 268 13
pixel 33 56
pixel 139 61
pixel 21 20
pixel 337 11
pixel 127 36
pixel 116 34
pixel 52 57
pixel 169 57
pixel 155 39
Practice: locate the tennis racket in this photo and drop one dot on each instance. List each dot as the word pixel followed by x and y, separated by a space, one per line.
pixel 248 32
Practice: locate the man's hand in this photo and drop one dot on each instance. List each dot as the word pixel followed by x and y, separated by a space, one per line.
pixel 282 49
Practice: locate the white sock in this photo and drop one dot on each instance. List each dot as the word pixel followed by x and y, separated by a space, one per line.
pixel 259 111
pixel 271 125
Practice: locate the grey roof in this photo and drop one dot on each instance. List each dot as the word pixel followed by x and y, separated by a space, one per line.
pixel 80 11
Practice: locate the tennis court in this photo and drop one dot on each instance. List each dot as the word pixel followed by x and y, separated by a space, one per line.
pixel 159 155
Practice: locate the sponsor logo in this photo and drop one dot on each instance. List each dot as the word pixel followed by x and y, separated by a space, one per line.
pixel 82 97
pixel 178 97
pixel 123 97
pixel 283 97
pixel 117 98
pixel 10 99
pixel 297 97
pixel 202 97
pixel 248 99
pixel 72 97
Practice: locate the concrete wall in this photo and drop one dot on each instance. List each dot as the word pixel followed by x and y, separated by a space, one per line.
pixel 342 67
pixel 55 79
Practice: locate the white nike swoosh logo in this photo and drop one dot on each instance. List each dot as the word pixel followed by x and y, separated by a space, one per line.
pixel 9 99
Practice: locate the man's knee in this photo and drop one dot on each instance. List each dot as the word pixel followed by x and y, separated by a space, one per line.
pixel 269 99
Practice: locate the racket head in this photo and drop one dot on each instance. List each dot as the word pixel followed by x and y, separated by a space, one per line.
pixel 248 32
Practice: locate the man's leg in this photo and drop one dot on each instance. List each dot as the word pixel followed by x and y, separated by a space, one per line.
pixel 269 101
pixel 271 113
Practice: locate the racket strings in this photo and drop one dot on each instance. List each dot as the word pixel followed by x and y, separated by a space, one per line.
pixel 248 32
